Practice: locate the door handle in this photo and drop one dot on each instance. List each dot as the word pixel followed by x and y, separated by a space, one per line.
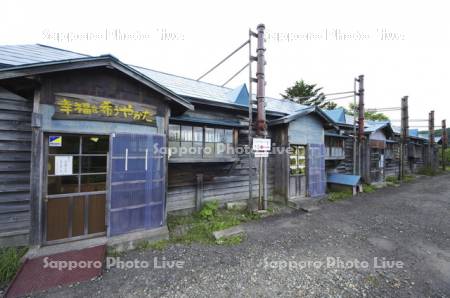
pixel 126 159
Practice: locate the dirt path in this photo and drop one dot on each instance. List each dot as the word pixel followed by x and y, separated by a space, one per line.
pixel 407 225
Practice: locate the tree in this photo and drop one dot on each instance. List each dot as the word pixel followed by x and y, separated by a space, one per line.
pixel 370 115
pixel 307 94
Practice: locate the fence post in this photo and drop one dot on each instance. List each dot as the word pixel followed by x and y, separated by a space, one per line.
pixel 199 192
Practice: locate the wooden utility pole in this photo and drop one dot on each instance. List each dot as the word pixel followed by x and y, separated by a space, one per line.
pixel 444 140
pixel 250 118
pixel 261 126
pixel 431 140
pixel 361 108
pixel 404 135
pixel 362 164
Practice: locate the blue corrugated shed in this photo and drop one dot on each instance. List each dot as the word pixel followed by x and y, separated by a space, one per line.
pixel 342 179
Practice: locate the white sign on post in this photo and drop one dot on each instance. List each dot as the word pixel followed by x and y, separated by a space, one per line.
pixel 262 154
pixel 63 165
pixel 260 144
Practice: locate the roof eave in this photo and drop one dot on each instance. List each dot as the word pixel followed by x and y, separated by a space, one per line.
pixel 89 62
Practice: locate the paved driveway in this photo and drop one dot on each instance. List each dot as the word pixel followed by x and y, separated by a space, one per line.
pixel 394 243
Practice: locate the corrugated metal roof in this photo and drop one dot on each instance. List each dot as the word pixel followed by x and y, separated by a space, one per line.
pixel 338 115
pixel 15 55
pixel 28 54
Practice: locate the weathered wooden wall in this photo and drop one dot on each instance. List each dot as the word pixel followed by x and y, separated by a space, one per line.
pixel 15 147
pixel 343 166
pixel 224 182
pixel 306 130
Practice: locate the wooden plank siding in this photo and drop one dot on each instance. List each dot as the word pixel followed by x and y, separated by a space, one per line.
pixel 225 182
pixel 15 149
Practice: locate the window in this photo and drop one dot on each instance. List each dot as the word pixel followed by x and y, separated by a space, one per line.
pixel 334 147
pixel 297 159
pixel 200 141
pixel 78 165
pixel 391 151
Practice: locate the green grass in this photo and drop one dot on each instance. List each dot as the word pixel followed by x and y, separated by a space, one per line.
pixel 428 171
pixel 368 188
pixel 10 263
pixel 202 224
pixel 339 195
pixel 392 181
pixel 408 178
pixel 232 240
pixel 159 245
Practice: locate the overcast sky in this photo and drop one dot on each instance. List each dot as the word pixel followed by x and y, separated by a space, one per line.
pixel 402 47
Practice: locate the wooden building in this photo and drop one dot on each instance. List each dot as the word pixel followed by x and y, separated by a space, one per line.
pixel 78 140
pixel 300 164
pixel 78 148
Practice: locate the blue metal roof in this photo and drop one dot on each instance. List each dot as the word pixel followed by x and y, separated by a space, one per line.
pixel 14 55
pixel 336 135
pixel 338 115
pixel 29 54
pixel 222 122
pixel 343 179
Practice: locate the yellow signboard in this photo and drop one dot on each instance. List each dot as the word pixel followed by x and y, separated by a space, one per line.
pixel 69 106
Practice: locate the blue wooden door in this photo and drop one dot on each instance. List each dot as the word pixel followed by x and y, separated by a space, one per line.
pixel 137 183
pixel 316 170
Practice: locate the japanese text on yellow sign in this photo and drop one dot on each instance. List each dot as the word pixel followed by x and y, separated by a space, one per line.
pixel 105 109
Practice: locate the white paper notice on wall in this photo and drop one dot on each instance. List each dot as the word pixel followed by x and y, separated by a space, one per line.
pixel 63 165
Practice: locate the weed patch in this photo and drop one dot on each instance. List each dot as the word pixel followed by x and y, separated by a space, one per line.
pixel 9 263
pixel 339 195
pixel 392 181
pixel 145 245
pixel 208 220
pixel 368 188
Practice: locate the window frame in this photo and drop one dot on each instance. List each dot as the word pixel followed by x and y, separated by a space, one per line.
pixel 79 174
pixel 220 135
pixel 297 158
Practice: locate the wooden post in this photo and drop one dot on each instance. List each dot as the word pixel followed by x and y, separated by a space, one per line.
pixel 431 140
pixel 199 193
pixel 404 135
pixel 36 172
pixel 444 143
pixel 261 126
pixel 364 155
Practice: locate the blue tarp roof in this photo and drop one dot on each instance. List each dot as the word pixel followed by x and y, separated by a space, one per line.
pixel 343 179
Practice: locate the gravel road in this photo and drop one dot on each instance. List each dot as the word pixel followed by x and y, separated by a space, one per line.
pixel 391 243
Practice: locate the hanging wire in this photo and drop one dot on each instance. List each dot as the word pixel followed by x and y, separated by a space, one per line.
pixel 383 109
pixel 411 120
pixel 235 75
pixel 338 98
pixel 223 60
pixel 329 94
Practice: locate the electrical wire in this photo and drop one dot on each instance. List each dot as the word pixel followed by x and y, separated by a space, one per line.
pixel 223 60
pixel 235 75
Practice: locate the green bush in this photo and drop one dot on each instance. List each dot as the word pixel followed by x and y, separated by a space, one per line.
pixel 209 210
pixel 10 263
